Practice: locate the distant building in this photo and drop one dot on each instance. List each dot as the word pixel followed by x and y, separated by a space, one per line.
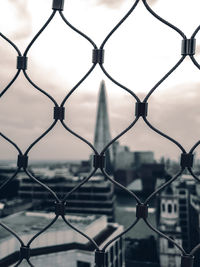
pixel 94 197
pixel 124 159
pixel 169 225
pixel 189 205
pixel 149 173
pixel 141 252
pixel 102 134
pixel 189 220
pixel 144 177
pixel 125 177
pixel 195 223
pixel 60 244
pixel 8 207
pixel 180 211
pixel 144 157
pixel 6 172
pixel 132 166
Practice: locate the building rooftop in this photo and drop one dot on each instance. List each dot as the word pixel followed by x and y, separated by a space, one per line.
pixel 136 185
pixel 33 222
pixel 59 237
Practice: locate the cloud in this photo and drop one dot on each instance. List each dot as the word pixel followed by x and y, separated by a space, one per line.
pixel 111 3
pixel 15 19
pixel 152 2
pixel 117 3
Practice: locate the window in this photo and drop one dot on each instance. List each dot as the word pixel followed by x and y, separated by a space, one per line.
pixel 83 264
pixel 182 208
pixel 182 201
pixel 120 259
pixel 169 208
pixel 106 259
pixel 120 243
pixel 111 254
pixel 163 207
pixel 175 208
pixel 116 248
pixel 170 244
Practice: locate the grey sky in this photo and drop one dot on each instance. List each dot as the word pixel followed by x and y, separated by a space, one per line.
pixel 117 3
pixel 111 3
pixel 25 113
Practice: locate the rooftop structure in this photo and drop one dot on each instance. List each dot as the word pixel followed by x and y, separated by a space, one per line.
pixel 58 238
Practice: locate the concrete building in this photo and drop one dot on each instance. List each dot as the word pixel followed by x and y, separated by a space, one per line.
pixel 169 225
pixel 144 157
pixel 94 197
pixel 60 244
pixel 189 203
pixel 124 159
pixel 6 171
pixel 130 166
pixel 186 192
pixel 8 207
pixel 180 202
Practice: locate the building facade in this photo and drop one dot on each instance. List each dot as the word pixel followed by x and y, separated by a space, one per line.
pixel 169 225
pixel 94 197
pixel 179 218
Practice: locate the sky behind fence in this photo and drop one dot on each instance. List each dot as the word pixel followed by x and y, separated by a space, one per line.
pixel 60 58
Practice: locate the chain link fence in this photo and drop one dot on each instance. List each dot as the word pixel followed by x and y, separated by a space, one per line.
pixel 141 112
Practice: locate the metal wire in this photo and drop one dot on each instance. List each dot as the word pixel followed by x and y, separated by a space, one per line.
pixel 22 70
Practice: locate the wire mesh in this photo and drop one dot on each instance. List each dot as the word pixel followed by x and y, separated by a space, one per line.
pixel 141 112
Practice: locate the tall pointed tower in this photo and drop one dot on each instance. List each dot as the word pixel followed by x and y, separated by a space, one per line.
pixel 102 129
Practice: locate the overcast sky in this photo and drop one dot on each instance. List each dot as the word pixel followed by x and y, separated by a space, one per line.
pixel 137 55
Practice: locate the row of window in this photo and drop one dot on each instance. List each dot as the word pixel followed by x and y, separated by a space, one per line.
pixel 169 207
pixel 49 196
pixel 65 188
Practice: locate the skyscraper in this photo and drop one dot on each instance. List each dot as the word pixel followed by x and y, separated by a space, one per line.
pixel 102 129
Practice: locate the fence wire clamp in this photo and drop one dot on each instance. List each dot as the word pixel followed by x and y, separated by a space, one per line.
pixel 59 209
pixel 98 56
pixel 59 113
pixel 187 160
pixel 58 5
pixel 100 258
pixel 99 161
pixel 142 211
pixel 25 253
pixel 188 47
pixel 22 63
pixel 187 261
pixel 141 109
pixel 22 161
